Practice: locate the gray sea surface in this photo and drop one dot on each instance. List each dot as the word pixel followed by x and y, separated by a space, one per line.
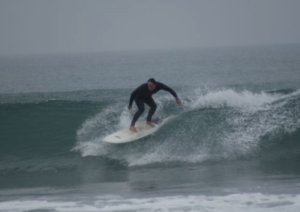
pixel 233 144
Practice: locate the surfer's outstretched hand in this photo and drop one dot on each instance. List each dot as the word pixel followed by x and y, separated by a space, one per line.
pixel 129 107
pixel 178 101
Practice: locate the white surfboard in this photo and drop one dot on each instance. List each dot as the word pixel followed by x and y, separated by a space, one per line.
pixel 125 135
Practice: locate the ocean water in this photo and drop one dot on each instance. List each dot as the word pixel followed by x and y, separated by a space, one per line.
pixel 233 144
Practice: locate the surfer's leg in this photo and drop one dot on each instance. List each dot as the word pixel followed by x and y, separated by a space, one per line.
pixel 141 109
pixel 152 110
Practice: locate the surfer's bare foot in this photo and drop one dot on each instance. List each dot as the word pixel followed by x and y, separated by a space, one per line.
pixel 132 129
pixel 150 124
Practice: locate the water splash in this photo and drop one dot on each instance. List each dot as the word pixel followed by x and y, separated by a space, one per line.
pixel 212 125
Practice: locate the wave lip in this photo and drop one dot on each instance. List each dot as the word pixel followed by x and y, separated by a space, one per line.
pixel 230 98
pixel 214 125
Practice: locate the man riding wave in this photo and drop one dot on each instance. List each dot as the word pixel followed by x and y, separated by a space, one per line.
pixel 143 94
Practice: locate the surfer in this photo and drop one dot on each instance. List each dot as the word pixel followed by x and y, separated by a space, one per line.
pixel 143 94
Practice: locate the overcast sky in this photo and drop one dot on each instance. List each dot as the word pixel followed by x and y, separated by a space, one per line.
pixel 53 26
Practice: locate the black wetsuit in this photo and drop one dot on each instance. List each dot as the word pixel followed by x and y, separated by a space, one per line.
pixel 143 95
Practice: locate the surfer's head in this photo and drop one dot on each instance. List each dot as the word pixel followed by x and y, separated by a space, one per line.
pixel 151 84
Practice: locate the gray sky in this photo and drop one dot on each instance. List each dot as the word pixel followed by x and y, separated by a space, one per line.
pixel 50 26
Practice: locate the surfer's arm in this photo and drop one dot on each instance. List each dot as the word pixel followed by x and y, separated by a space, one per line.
pixel 134 94
pixel 170 90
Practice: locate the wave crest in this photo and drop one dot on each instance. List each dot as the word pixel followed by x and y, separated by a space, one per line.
pixel 213 125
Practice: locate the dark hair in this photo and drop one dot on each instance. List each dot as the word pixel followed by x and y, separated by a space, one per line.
pixel 152 80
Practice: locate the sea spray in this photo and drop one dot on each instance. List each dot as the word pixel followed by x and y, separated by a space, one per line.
pixel 216 125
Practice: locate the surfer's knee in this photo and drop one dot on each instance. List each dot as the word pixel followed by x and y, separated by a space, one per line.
pixel 141 110
pixel 153 107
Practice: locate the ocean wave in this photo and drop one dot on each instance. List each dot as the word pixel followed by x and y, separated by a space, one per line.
pixel 211 126
pixel 233 202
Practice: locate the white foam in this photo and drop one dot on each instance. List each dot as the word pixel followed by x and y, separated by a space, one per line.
pixel 89 148
pixel 125 119
pixel 89 136
pixel 251 127
pixel 27 205
pixel 109 120
pixel 160 156
pixel 231 98
pixel 254 115
pixel 88 130
pixel 251 116
pixel 251 202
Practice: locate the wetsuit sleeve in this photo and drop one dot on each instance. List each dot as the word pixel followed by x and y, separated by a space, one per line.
pixel 166 88
pixel 134 94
